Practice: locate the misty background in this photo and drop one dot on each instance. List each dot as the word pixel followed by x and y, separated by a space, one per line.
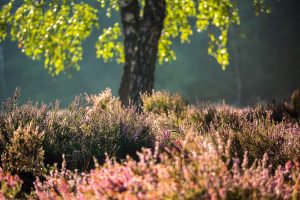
pixel 264 65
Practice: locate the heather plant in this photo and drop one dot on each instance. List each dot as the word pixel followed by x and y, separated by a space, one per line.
pixel 295 101
pixel 102 126
pixel 105 100
pixel 289 111
pixel 16 115
pixel 24 152
pixel 210 151
pixel 12 116
pixel 90 127
pixel 281 141
pixel 163 103
pixel 201 119
pixel 196 172
pixel 283 111
pixel 251 130
pixel 10 185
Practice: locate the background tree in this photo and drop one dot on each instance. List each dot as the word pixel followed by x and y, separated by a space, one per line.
pixel 2 81
pixel 54 30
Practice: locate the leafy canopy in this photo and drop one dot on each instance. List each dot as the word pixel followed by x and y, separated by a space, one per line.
pixel 54 30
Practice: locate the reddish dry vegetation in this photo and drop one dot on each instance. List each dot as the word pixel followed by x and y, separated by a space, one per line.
pixel 168 150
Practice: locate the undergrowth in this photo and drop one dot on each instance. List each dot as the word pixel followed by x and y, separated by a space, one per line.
pixel 169 150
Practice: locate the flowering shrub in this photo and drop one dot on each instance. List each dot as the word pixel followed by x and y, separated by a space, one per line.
pixel 12 116
pixel 85 130
pixel 197 172
pixel 105 100
pixel 10 185
pixel 281 141
pixel 295 101
pixel 192 152
pixel 82 133
pixel 24 153
pixel 164 103
pixel 204 118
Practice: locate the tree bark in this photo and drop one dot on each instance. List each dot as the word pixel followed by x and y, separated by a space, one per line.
pixel 142 34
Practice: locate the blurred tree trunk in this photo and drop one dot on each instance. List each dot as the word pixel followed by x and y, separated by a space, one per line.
pixel 2 81
pixel 237 62
pixel 142 35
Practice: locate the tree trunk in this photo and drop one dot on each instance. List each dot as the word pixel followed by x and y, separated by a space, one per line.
pixel 142 35
pixel 2 81
pixel 235 33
